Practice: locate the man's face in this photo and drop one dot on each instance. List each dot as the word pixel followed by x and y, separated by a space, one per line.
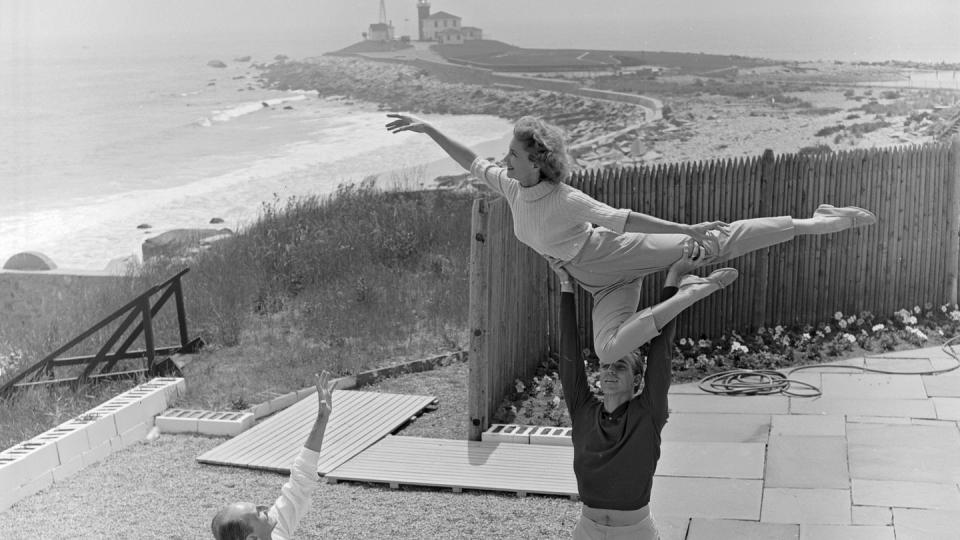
pixel 257 517
pixel 617 377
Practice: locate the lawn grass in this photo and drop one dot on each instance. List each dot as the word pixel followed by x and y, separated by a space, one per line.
pixel 358 280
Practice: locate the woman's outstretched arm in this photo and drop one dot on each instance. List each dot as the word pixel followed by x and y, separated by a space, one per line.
pixel 460 153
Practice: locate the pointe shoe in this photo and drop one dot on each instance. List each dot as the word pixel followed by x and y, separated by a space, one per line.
pixel 858 216
pixel 722 278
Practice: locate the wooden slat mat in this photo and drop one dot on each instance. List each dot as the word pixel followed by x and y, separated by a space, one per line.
pixel 359 419
pixel 491 466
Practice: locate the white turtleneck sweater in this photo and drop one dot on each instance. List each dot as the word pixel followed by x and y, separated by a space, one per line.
pixel 552 218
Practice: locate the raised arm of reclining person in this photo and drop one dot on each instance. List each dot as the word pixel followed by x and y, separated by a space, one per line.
pixel 296 495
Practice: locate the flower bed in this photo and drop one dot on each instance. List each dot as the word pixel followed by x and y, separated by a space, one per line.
pixel 539 401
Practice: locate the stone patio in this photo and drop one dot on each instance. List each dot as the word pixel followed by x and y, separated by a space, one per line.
pixel 876 457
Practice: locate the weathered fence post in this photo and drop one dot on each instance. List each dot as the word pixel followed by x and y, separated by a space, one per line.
pixel 479 306
pixel 953 221
pixel 763 256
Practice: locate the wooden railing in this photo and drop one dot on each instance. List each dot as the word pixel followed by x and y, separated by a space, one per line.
pixel 140 310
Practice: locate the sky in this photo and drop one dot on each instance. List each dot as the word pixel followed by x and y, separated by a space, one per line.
pixel 925 30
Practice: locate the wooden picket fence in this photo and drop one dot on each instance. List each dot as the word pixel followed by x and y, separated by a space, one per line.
pixel 910 257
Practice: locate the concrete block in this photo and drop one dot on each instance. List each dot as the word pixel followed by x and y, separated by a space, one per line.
pixel 100 430
pixel 136 434
pixel 68 468
pixel 554 436
pixel 116 444
pixel 12 475
pixel 72 442
pixel 39 483
pixel 225 423
pixel 153 403
pixel 34 459
pixel 260 410
pixel 509 433
pixel 178 421
pixel 129 416
pixel 97 453
pixel 282 402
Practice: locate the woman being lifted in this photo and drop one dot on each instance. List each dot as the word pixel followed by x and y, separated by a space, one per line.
pixel 609 251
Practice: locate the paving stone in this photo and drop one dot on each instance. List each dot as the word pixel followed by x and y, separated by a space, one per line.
pixel 720 498
pixel 712 459
pixel 900 365
pixel 906 408
pixel 706 427
pixel 846 532
pixel 672 527
pixel 726 529
pixel 807 462
pixel 810 425
pixel 916 524
pixel 686 388
pixel 948 408
pixel 728 404
pixel 851 419
pixel 871 515
pixel 790 505
pixel 905 494
pixel 920 453
pixel 806 376
pixel 873 386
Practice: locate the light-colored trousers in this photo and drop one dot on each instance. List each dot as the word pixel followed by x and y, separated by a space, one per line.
pixel 612 266
pixel 587 529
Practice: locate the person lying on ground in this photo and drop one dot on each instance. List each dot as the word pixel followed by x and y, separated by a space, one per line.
pixel 248 521
pixel 609 251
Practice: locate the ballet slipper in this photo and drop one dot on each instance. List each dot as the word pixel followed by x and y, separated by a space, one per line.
pixel 722 278
pixel 858 216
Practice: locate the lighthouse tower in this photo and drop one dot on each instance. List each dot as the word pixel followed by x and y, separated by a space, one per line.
pixel 423 11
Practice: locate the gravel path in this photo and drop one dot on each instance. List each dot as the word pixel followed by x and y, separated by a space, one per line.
pixel 158 490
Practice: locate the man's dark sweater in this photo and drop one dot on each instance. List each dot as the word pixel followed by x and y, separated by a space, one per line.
pixel 615 454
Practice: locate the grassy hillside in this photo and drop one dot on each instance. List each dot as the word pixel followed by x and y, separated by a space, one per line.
pixel 363 279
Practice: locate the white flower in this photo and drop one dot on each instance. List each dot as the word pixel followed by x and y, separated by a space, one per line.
pixel 736 346
pixel 943 308
pixel 683 342
pixel 704 343
pixel 842 324
pixel 838 315
pixel 877 327
pixel 520 386
pixel 917 333
pixel 805 337
pixel 852 319
pixel 555 401
pixel 826 329
pixel 911 320
pixel 955 315
pixel 860 322
pixel 849 337
pixel 778 330
pixel 786 341
pixel 916 309
pixel 819 334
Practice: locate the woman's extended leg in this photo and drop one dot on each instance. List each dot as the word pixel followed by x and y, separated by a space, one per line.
pixel 619 329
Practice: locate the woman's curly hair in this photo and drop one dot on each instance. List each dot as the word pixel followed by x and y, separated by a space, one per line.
pixel 546 145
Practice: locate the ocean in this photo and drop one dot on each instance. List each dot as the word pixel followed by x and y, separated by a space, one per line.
pixel 101 137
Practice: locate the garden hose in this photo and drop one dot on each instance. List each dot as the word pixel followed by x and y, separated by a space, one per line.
pixel 759 382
